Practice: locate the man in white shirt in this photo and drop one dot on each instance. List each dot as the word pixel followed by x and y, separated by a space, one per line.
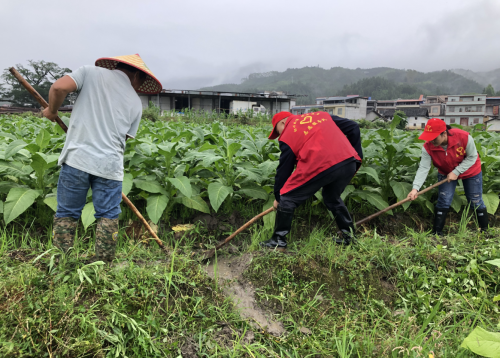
pixel 106 112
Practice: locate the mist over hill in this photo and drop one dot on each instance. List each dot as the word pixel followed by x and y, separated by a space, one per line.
pixel 378 83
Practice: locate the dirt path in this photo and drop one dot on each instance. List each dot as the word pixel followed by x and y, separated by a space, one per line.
pixel 229 271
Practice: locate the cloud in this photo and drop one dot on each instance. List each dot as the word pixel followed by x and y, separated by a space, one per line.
pixel 191 44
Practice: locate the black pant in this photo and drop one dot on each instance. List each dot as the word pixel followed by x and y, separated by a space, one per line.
pixel 333 185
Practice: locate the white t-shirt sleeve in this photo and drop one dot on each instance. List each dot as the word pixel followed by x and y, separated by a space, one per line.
pixel 79 76
pixel 135 125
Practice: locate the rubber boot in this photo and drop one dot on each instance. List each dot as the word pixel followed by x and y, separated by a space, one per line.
pixel 63 234
pixel 105 239
pixel 482 219
pixel 282 227
pixel 345 225
pixel 439 220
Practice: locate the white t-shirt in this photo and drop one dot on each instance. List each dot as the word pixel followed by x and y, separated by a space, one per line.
pixel 106 111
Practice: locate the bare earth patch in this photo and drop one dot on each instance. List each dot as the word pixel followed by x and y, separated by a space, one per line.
pixel 229 272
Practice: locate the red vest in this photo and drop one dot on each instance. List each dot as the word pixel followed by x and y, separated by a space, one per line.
pixel 317 143
pixel 454 155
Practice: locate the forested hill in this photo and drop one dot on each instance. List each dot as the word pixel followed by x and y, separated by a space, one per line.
pixel 378 83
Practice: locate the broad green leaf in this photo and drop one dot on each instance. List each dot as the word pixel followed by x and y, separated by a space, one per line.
pixel 401 190
pixel 18 200
pixel 206 146
pixel 253 191
pixel 348 190
pixel 51 202
pixel 167 150
pixel 377 201
pixel 456 203
pixel 14 147
pixel 32 148
pixel 128 181
pixel 270 218
pixel 88 215
pixel 43 138
pixel 495 262
pixel 146 149
pixel 151 186
pixel 369 171
pixel 179 170
pixel 217 193
pixel 1 207
pixel 395 122
pixel 198 132
pixel 483 343
pixel 491 201
pixel 196 203
pixel 156 206
pixel 373 198
pixel 14 168
pixel 268 168
pixel 39 164
pixel 183 184
pixel 232 149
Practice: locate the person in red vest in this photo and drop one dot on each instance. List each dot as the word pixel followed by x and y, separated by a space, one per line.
pixel 454 153
pixel 326 153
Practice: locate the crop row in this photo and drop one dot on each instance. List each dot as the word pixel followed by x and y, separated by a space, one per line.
pixel 205 167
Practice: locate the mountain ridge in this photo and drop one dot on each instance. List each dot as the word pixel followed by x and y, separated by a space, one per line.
pixel 316 81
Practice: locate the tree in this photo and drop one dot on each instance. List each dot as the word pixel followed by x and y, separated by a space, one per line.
pixel 39 74
pixel 490 92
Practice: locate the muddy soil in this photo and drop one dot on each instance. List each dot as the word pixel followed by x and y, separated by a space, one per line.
pixel 229 272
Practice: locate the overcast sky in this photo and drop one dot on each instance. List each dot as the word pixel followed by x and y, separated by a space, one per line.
pixel 189 44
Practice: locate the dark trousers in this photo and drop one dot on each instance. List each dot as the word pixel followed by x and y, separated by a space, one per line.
pixel 333 185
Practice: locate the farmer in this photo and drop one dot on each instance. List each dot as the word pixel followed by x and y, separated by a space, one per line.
pixel 326 151
pixel 454 153
pixel 107 111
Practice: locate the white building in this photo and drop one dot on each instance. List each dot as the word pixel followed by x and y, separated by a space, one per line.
pixel 466 110
pixel 351 107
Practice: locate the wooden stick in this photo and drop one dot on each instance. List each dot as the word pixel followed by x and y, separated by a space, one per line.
pixel 127 201
pixel 210 253
pixel 368 218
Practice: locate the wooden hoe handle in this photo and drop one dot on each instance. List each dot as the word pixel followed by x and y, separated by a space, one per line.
pixel 127 201
pixel 368 218
pixel 208 254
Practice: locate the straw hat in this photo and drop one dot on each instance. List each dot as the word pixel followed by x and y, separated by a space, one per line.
pixel 150 86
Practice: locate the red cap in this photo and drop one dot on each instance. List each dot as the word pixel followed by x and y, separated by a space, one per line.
pixel 433 128
pixel 276 119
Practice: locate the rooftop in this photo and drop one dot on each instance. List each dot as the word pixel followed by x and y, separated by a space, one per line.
pixel 410 112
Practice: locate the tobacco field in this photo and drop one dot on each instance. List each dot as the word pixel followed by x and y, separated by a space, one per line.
pixel 398 293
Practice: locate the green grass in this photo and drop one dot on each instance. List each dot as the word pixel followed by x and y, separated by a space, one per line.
pixel 405 296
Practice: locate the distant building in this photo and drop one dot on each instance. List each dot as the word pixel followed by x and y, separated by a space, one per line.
pixel 319 100
pixel 371 105
pixel 178 100
pixel 466 110
pixel 417 117
pixel 390 104
pixel 491 116
pixel 436 105
pixel 306 108
pixel 352 107
pixel 410 103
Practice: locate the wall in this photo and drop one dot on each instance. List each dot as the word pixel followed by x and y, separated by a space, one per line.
pixel 464 115
pixel 493 125
pixel 201 104
pixel 416 123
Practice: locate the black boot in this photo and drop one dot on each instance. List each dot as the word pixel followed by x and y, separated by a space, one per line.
pixel 439 220
pixel 346 226
pixel 282 227
pixel 482 219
